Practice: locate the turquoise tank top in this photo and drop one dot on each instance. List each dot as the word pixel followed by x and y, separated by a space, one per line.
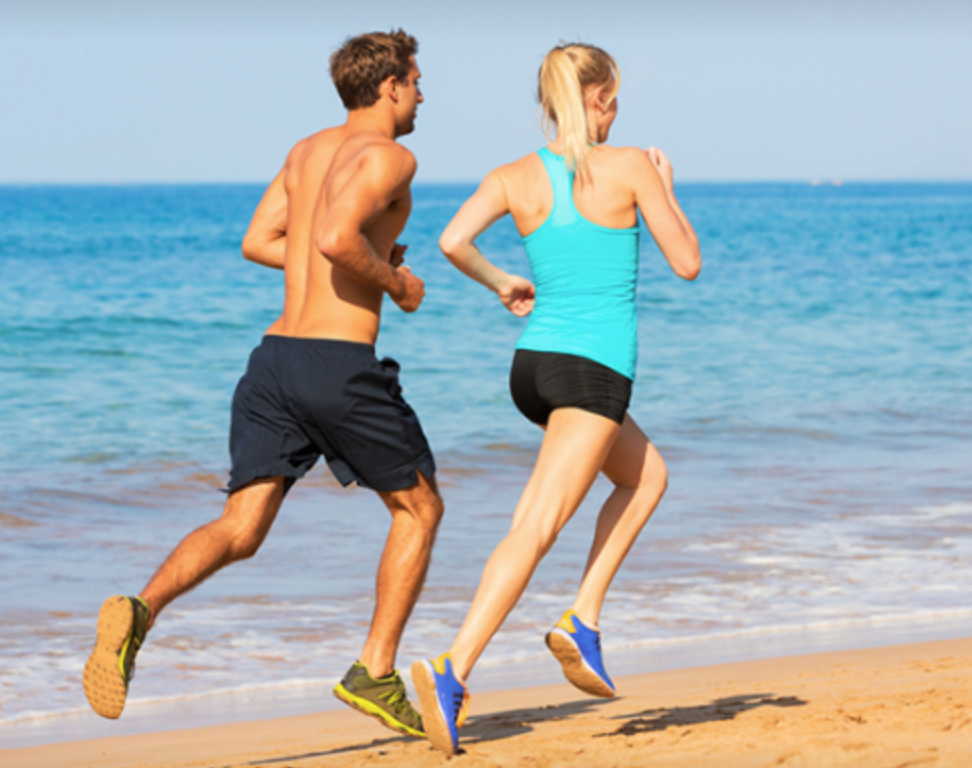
pixel 585 277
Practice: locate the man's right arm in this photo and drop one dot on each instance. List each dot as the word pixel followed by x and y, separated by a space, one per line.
pixel 382 179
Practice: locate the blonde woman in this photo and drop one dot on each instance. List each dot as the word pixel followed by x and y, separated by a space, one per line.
pixel 576 203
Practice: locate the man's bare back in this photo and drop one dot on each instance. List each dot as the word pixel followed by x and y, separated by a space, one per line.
pixel 338 205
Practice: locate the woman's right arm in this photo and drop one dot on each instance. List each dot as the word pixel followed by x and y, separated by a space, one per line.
pixel 478 213
pixel 668 224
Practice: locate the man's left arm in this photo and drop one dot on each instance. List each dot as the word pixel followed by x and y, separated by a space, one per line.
pixel 265 242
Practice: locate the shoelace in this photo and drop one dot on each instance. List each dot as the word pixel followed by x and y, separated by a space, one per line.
pixel 396 697
pixel 457 699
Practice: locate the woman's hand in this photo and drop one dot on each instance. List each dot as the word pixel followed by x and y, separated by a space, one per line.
pixel 517 294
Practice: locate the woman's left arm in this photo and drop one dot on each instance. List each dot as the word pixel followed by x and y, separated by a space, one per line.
pixel 478 213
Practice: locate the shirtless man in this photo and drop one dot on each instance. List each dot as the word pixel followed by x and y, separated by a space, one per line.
pixel 329 220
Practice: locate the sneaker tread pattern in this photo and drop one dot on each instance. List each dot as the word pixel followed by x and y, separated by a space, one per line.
pixel 436 727
pixel 104 684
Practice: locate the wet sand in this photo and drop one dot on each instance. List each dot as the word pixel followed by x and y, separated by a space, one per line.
pixel 891 707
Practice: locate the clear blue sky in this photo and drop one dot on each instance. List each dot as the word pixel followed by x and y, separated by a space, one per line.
pixel 129 90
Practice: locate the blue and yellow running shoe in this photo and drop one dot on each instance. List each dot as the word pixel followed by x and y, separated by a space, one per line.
pixel 122 624
pixel 578 649
pixel 384 699
pixel 445 701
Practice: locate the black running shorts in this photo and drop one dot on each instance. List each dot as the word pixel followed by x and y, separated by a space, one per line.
pixel 301 398
pixel 541 382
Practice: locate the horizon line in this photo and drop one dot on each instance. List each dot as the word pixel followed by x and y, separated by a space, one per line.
pixel 820 181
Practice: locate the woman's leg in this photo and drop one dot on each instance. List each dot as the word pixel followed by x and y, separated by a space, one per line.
pixel 574 449
pixel 640 478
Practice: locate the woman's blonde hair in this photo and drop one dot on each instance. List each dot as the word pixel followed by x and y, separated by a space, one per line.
pixel 567 72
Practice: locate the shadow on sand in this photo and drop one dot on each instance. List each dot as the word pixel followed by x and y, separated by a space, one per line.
pixel 505 725
pixel 719 710
pixel 477 730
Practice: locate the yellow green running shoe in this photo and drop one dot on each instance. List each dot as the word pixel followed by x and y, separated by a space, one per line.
pixel 122 624
pixel 384 699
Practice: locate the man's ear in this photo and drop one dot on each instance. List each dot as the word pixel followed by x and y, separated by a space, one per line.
pixel 390 86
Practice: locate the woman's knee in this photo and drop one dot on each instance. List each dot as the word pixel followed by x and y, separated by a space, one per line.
pixel 654 475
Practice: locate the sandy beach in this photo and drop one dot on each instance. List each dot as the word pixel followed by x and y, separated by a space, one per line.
pixel 904 705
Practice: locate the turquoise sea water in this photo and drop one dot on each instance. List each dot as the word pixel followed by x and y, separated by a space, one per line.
pixel 811 392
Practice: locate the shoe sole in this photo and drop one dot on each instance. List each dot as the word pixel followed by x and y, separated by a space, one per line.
pixel 575 669
pixel 104 684
pixel 436 726
pixel 366 707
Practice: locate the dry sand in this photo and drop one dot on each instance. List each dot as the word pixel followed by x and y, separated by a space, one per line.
pixel 906 705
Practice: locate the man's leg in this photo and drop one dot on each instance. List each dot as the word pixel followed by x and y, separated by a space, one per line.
pixel 372 685
pixel 236 535
pixel 416 513
pixel 124 621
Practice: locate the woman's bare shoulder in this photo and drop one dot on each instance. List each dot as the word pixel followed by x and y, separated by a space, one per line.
pixel 621 156
pixel 517 173
pixel 524 165
pixel 627 167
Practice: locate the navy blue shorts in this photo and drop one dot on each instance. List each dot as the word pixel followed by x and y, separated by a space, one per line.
pixel 301 398
pixel 541 382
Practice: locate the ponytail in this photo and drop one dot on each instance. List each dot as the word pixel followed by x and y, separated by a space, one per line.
pixel 567 72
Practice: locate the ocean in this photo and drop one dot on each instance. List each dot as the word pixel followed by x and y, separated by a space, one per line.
pixel 811 393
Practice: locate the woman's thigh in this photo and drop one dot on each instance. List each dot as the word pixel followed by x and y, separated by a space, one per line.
pixel 575 446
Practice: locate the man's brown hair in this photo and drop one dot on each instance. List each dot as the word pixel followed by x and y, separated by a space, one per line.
pixel 360 65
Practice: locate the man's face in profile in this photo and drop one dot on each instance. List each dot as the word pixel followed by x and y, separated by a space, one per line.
pixel 410 96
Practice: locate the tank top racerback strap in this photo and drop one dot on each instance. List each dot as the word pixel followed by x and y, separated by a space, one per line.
pixel 564 211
